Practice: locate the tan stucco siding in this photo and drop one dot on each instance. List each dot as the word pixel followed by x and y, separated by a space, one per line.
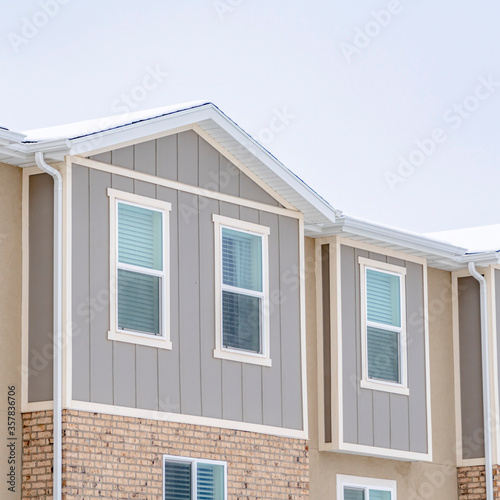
pixel 434 481
pixel 10 325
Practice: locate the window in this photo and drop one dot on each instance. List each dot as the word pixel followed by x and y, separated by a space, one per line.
pixel 360 488
pixel 139 269
pixel 193 479
pixel 241 268
pixel 383 326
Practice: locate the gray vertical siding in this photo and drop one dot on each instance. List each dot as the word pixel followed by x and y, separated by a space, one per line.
pixel 327 362
pixel 377 418
pixel 186 379
pixel 40 325
pixel 187 158
pixel 471 385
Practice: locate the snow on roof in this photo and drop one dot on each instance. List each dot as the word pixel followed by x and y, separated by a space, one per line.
pixel 88 127
pixel 475 239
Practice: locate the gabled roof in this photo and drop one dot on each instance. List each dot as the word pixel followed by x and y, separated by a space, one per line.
pixel 321 219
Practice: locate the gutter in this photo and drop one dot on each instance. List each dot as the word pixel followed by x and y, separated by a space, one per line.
pixel 58 282
pixel 486 380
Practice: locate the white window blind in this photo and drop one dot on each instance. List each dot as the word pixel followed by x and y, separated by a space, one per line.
pixel 242 290
pixel 177 480
pixel 140 268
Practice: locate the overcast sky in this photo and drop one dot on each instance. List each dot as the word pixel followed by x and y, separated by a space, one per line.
pixel 389 109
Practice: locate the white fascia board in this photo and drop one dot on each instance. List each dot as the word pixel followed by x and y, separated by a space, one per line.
pixel 414 241
pixel 481 258
pixel 23 154
pixel 273 164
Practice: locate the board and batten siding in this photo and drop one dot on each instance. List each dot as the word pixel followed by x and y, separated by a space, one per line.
pixel 471 385
pixel 372 417
pixel 187 379
pixel 40 287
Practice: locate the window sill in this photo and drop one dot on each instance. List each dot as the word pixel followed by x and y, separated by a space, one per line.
pixel 254 359
pixel 130 338
pixel 384 387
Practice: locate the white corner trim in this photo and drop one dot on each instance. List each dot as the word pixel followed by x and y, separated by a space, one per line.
pixel 188 419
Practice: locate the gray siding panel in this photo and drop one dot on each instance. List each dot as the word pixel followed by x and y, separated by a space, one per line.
pixel 290 319
pixel 382 419
pixel 166 157
pixel 189 308
pixel 40 321
pixel 81 294
pixel 417 402
pixel 124 374
pixel 271 379
pixel 188 157
pixel 471 385
pixel 349 350
pixel 101 350
pixel 146 359
pixel 188 378
pixel 211 368
pixel 145 157
pixel 123 157
pixel 250 190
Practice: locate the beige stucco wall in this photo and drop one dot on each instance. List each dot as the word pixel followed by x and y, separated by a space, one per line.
pixel 415 481
pixel 10 321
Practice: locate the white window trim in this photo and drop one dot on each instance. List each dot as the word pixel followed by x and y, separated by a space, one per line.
pixel 366 484
pixel 264 358
pixel 194 469
pixel 161 341
pixel 380 385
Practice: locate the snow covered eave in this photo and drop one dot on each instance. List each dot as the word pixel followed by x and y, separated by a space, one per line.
pixel 22 154
pixel 437 253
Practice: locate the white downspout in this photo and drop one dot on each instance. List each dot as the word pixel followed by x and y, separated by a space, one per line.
pixel 486 380
pixel 58 282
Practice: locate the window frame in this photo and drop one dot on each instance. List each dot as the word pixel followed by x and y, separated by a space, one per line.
pixel 400 387
pixel 366 484
pixel 161 341
pixel 194 469
pixel 263 358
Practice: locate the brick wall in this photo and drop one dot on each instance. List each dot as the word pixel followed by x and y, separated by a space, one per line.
pixel 471 483
pixel 107 456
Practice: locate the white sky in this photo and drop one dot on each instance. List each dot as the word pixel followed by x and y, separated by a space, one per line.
pixel 355 102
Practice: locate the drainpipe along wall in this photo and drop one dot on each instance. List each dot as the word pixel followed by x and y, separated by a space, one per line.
pixel 486 380
pixel 57 390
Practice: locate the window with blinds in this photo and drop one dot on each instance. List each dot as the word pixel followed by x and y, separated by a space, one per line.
pixel 192 479
pixel 364 488
pixel 242 290
pixel 140 269
pixel 366 494
pixel 383 326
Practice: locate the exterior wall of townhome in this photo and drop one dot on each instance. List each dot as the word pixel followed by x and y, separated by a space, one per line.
pixel 471 385
pixel 186 379
pixel 10 330
pixel 435 480
pixel 373 417
pixel 111 456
